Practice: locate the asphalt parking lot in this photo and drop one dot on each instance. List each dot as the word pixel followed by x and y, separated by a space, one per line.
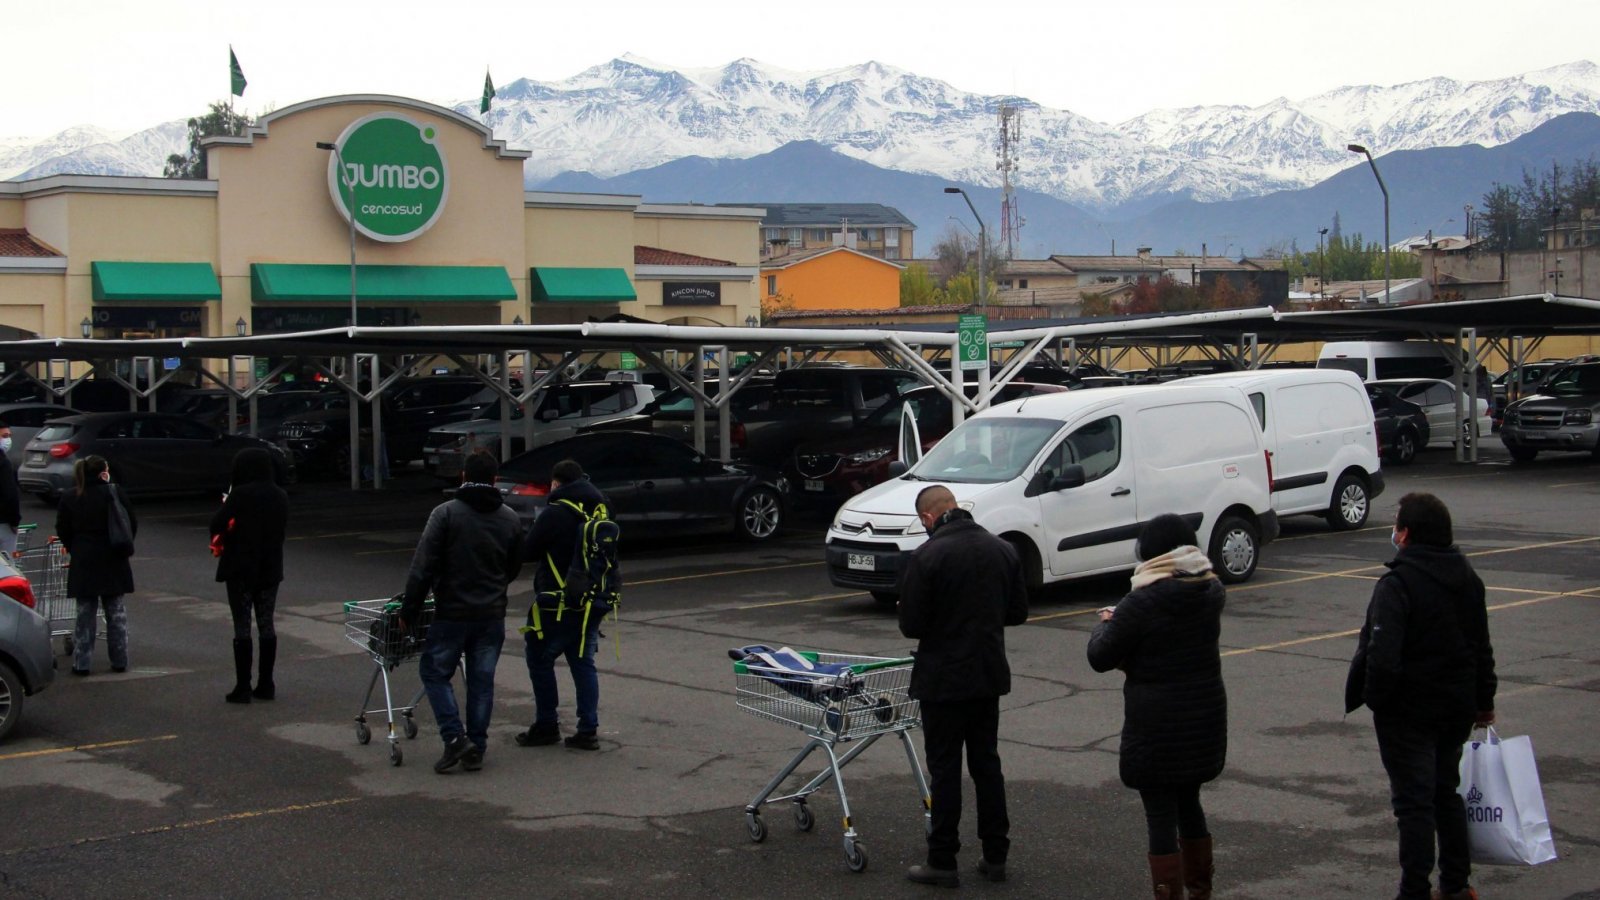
pixel 146 784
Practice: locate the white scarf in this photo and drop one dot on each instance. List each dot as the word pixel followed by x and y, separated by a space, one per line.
pixel 1185 560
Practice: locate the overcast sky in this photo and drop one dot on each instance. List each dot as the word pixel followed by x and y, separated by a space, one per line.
pixel 127 66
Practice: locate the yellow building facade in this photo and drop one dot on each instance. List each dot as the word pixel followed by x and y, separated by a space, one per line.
pixel 444 232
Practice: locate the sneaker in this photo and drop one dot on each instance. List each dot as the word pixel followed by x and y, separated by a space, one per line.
pixel 583 740
pixel 472 761
pixel 537 736
pixel 992 871
pixel 936 877
pixel 454 750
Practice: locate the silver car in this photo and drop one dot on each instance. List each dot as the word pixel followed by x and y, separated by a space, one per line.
pixel 27 660
pixel 561 410
pixel 1564 415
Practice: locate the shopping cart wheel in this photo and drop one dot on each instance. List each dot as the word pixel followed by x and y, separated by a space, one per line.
pixel 395 756
pixel 363 733
pixel 803 819
pixel 410 728
pixel 855 855
pixel 758 828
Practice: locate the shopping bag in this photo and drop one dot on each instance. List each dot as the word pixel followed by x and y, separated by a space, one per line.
pixel 1506 820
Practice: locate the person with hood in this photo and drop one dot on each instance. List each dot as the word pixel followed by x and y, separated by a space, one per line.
pixel 1164 637
pixel 1425 667
pixel 467 556
pixel 250 527
pixel 550 633
pixel 100 574
pixel 958 592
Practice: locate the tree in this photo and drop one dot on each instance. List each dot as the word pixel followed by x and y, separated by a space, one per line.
pixel 917 287
pixel 1515 218
pixel 220 120
pixel 773 304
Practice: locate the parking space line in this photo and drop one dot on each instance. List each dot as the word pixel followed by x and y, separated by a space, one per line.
pixel 1327 534
pixel 796 602
pixel 385 550
pixel 182 826
pixel 1061 615
pixel 1573 484
pixel 27 754
pixel 632 583
pixel 1583 540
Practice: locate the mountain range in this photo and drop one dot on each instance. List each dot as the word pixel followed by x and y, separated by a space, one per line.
pixel 1081 183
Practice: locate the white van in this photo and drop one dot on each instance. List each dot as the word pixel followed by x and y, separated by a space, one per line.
pixel 1321 440
pixel 1372 360
pixel 1070 479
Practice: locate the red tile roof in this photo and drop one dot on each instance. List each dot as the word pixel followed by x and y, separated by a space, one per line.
pixel 655 256
pixel 17 242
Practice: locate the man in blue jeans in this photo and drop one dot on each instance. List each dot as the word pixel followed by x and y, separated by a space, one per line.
pixel 468 554
pixel 561 633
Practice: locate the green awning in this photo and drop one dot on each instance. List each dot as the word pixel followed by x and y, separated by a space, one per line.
pixel 284 282
pixel 555 284
pixel 154 281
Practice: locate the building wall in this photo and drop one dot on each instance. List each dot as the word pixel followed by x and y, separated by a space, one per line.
pixel 836 281
pixel 27 299
pixel 10 212
pixel 712 237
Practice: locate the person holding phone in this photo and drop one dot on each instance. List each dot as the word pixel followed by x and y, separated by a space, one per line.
pixel 250 527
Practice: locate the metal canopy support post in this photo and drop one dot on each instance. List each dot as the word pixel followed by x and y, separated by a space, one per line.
pixel 1467 394
pixel 724 408
pixel 380 447
pixel 1249 350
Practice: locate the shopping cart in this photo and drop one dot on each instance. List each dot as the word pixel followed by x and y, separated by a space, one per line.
pixel 834 699
pixel 374 626
pixel 44 562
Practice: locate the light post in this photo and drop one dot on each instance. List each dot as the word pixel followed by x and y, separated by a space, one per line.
pixel 983 238
pixel 751 321
pixel 350 211
pixel 1357 148
pixel 1322 267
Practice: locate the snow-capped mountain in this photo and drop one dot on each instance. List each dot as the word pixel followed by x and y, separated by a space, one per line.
pixel 630 114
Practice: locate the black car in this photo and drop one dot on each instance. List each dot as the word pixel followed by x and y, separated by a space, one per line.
pixel 1402 425
pixel 319 440
pixel 149 453
pixel 656 485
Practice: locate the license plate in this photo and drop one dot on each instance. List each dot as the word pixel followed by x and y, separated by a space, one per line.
pixel 813 485
pixel 35 457
pixel 861 562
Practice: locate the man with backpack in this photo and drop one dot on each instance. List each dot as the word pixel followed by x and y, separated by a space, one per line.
pixel 572 546
pixel 468 554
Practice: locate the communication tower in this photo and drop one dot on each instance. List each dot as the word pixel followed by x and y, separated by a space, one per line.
pixel 1006 148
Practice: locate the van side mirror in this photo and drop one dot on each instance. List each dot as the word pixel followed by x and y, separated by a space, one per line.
pixel 1068 477
pixel 898 468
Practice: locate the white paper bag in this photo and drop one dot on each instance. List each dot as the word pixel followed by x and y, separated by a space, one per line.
pixel 1506 821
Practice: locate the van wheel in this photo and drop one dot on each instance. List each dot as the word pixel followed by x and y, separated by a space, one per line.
pixel 1235 549
pixel 886 601
pixel 1404 449
pixel 1350 504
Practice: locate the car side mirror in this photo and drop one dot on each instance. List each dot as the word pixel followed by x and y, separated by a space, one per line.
pixel 898 468
pixel 1069 477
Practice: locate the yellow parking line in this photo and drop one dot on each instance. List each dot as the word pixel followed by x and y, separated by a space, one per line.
pixel 1062 615
pixel 180 826
pixel 731 572
pixel 1573 484
pixel 1584 540
pixel 101 746
pixel 385 550
pixel 806 600
pixel 1325 534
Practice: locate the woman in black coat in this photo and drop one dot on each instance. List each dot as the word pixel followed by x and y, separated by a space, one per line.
pixel 100 574
pixel 250 526
pixel 1163 636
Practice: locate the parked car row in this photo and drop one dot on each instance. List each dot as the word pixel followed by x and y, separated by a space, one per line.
pixel 1564 414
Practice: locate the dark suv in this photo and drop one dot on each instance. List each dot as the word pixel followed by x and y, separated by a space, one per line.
pixel 1564 415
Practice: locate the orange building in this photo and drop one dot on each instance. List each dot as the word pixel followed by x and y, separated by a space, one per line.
pixel 830 278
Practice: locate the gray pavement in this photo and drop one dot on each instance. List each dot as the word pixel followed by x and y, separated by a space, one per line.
pixel 147 784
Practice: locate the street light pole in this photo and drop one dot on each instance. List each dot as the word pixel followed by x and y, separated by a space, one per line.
pixel 1357 148
pixel 350 210
pixel 1322 267
pixel 983 238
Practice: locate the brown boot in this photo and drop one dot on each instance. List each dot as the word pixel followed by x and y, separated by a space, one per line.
pixel 1166 874
pixel 1197 867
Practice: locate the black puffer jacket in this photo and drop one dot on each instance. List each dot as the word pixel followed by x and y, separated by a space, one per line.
pixel 1424 653
pixel 467 556
pixel 253 521
pixel 1175 708
pixel 957 594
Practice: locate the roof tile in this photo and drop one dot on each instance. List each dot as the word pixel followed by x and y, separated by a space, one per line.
pixel 655 256
pixel 18 242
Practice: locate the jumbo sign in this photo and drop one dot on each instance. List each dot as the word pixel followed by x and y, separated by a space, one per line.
pixel 389 177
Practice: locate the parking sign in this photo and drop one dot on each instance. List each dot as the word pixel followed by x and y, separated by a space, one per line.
pixel 973 336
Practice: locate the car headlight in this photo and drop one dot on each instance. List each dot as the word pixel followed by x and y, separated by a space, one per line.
pixel 866 456
pixel 314 428
pixel 1577 417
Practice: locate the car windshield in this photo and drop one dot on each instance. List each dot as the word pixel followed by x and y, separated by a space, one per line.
pixel 986 450
pixel 55 432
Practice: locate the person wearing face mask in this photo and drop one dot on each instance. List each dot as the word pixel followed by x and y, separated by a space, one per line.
pixel 100 574
pixel 958 593
pixel 1164 637
pixel 10 495
pixel 1424 665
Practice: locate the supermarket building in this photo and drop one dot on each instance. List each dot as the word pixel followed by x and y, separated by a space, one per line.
pixel 443 230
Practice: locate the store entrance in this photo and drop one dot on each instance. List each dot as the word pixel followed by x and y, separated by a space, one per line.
pixel 135 322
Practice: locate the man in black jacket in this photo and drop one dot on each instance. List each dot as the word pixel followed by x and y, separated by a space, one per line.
pixel 467 556
pixel 1425 667
pixel 959 591
pixel 552 632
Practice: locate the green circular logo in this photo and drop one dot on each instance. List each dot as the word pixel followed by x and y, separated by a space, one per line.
pixel 389 176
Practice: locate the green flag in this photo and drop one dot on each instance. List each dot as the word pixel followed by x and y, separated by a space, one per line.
pixel 235 73
pixel 488 92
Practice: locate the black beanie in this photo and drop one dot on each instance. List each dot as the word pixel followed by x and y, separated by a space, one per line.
pixel 1163 534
